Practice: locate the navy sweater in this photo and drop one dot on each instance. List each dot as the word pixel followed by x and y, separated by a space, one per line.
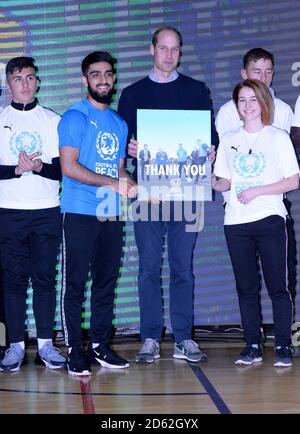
pixel 184 93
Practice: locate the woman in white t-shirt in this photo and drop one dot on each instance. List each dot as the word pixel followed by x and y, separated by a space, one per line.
pixel 257 163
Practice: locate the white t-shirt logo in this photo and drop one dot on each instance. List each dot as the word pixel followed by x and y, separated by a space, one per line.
pixel 27 141
pixel 249 165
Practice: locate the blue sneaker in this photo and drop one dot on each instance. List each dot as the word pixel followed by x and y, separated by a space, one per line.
pixel 50 356
pixel 283 357
pixel 13 358
pixel 249 355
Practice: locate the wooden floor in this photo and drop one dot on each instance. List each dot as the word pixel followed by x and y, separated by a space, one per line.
pixel 167 386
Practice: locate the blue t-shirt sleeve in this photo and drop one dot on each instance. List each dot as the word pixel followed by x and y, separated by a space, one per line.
pixel 71 129
pixel 123 140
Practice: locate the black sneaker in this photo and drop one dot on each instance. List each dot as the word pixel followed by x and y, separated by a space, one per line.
pixel 107 358
pixel 77 363
pixel 283 357
pixel 249 356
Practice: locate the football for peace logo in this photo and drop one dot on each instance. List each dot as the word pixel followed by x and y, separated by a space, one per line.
pixel 249 165
pixel 107 145
pixel 27 141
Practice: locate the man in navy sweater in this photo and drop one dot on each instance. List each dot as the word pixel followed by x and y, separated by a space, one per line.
pixel 165 88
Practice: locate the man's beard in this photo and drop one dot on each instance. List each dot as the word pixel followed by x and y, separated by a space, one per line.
pixel 103 99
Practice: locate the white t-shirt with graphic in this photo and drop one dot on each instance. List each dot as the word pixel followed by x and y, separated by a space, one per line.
pixel 30 131
pixel 296 121
pixel 252 160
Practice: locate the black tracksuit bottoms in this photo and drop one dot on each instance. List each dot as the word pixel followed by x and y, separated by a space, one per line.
pixel 29 245
pixel 89 244
pixel 267 238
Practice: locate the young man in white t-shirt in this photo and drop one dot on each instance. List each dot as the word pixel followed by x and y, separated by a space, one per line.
pixel 258 64
pixel 30 219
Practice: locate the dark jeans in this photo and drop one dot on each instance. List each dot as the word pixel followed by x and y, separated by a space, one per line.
pixel 267 237
pixel 149 239
pixel 90 244
pixel 30 242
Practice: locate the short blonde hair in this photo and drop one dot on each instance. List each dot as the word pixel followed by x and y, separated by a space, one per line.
pixel 263 96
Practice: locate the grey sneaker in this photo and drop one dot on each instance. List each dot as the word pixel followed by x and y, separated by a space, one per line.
pixel 149 352
pixel 50 356
pixel 13 358
pixel 189 350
